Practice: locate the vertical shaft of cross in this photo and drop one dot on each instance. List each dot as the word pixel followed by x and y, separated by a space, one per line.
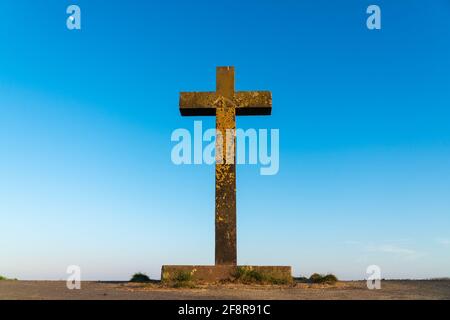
pixel 225 104
pixel 226 253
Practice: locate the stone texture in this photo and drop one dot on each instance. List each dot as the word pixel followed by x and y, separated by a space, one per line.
pixel 245 102
pixel 226 251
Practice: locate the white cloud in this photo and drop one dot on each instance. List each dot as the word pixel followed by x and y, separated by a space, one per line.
pixel 352 242
pixel 389 248
pixel 392 249
pixel 443 241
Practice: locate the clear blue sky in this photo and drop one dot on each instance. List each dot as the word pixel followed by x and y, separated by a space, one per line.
pixel 86 118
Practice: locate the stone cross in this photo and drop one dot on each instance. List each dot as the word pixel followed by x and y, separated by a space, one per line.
pixel 225 104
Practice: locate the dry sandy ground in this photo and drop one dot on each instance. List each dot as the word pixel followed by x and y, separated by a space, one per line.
pixel 109 290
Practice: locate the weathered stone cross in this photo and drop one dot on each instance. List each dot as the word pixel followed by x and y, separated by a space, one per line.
pixel 225 104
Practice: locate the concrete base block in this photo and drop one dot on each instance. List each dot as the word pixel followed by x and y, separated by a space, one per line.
pixel 217 273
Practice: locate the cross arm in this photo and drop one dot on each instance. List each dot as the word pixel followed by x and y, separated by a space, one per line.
pixel 197 103
pixel 253 103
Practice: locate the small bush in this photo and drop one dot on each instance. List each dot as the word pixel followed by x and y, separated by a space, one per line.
pixel 247 275
pixel 301 279
pixel 183 279
pixel 183 276
pixel 140 277
pixel 320 278
pixel 3 278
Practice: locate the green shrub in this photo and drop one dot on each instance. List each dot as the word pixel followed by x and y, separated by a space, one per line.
pixel 247 275
pixel 301 279
pixel 140 277
pixel 183 276
pixel 320 278
pixel 182 279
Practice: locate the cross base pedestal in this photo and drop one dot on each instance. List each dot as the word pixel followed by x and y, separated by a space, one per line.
pixel 224 273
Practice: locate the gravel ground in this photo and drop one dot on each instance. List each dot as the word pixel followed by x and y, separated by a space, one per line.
pixel 50 290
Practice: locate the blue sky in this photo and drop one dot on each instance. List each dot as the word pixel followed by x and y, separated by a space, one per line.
pixel 86 118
